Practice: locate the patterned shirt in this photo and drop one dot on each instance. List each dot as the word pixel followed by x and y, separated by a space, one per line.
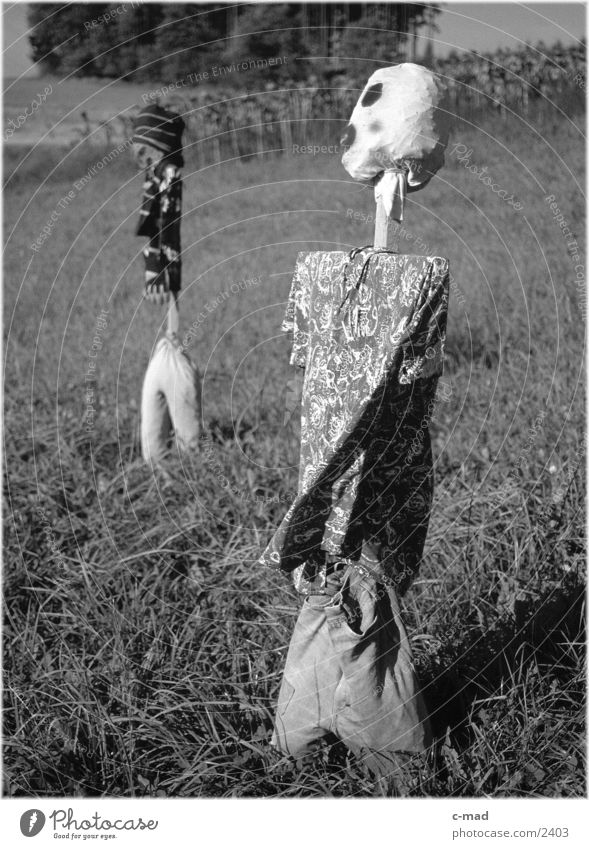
pixel 369 330
pixel 159 220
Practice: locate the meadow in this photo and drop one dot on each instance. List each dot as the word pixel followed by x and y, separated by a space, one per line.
pixel 143 648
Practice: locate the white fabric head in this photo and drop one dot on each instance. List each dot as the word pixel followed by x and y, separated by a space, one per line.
pixel 399 124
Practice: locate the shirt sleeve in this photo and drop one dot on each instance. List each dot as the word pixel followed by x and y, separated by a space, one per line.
pixel 161 208
pixel 149 213
pixel 171 209
pixel 423 353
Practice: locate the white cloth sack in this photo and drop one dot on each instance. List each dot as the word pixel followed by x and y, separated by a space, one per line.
pixel 399 126
pixel 170 399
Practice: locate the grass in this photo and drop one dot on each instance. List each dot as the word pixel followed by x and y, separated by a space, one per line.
pixel 142 647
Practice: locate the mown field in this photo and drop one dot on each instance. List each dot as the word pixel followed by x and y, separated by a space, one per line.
pixel 57 119
pixel 142 646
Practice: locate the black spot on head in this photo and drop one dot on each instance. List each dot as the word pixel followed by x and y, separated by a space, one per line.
pixel 375 126
pixel 371 95
pixel 347 140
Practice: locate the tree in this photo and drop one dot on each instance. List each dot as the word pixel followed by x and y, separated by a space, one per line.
pixel 60 36
pixel 381 36
pixel 95 39
pixel 170 41
pixel 268 31
pixel 190 39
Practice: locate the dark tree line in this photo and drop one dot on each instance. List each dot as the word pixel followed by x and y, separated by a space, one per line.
pixel 160 41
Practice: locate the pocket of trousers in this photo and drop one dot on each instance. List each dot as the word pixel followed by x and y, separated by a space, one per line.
pixel 359 611
pixel 366 652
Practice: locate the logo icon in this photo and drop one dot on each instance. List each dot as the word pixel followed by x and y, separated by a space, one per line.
pixel 32 822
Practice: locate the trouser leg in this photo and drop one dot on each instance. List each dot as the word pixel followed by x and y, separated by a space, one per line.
pixel 305 710
pixel 384 712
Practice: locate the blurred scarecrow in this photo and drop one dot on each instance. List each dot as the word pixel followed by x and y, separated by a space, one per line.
pixel 170 399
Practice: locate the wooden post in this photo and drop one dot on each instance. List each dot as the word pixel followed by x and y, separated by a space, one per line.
pixel 173 315
pixel 381 226
pixel 386 228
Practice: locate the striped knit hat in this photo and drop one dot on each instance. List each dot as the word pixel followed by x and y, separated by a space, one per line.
pixel 161 129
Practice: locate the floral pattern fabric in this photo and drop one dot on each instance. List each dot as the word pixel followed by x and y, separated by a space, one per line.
pixel 369 331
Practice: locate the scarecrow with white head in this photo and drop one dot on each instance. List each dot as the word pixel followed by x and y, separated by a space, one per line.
pixel 368 328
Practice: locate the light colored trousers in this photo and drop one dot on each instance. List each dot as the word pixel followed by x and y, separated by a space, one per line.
pixel 349 671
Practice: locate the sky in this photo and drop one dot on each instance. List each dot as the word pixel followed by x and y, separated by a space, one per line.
pixel 487 26
pixel 468 26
